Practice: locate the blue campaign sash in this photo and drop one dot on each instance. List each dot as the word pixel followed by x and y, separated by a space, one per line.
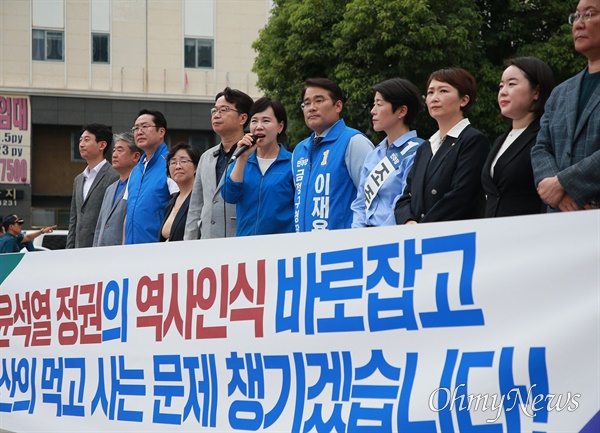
pixel 382 171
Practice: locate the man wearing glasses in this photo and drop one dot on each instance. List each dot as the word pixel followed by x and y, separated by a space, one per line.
pixel 208 215
pixel 89 186
pixel 566 156
pixel 13 240
pixel 149 189
pixel 327 164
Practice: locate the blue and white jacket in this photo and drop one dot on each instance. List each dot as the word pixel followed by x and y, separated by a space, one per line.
pixel 264 204
pixel 147 196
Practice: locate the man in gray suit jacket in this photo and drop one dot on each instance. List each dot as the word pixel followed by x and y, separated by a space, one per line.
pixel 125 156
pixel 208 215
pixel 566 156
pixel 89 186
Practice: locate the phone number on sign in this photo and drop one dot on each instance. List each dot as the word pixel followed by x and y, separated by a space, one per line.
pixel 13 170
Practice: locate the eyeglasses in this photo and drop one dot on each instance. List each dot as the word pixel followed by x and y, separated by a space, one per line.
pixel 222 110
pixel 586 16
pixel 182 162
pixel 316 102
pixel 143 128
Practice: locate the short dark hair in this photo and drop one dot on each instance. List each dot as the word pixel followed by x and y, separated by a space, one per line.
pixel 539 74
pixel 157 116
pixel 280 114
pixel 192 152
pixel 461 80
pixel 102 133
pixel 400 92
pixel 243 103
pixel 333 88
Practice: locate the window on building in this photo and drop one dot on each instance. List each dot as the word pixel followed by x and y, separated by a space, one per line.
pixel 100 48
pixel 47 45
pixel 198 53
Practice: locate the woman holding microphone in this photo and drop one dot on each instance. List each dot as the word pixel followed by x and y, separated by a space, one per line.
pixel 260 181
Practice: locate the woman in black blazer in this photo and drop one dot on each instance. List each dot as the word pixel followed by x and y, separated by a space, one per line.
pixel 444 182
pixel 182 163
pixel 507 176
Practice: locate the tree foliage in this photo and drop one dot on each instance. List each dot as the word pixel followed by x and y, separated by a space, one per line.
pixel 359 43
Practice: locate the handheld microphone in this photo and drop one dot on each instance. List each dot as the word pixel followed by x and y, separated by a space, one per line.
pixel 242 149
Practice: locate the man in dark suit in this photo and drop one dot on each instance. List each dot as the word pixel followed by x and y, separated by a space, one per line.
pixel 89 186
pixel 125 156
pixel 566 156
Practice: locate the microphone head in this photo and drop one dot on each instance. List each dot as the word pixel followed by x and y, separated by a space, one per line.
pixel 254 138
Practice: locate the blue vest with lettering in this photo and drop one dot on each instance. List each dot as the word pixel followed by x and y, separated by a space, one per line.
pixel 324 188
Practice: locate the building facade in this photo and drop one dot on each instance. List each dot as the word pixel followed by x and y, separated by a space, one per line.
pixel 65 63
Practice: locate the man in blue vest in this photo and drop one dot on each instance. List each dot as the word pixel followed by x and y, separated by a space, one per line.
pixel 149 189
pixel 327 164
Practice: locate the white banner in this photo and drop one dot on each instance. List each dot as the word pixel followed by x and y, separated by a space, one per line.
pixel 472 326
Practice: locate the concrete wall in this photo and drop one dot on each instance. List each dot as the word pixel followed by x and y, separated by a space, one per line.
pixel 146 50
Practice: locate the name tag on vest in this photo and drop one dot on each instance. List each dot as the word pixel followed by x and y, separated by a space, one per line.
pixel 382 171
